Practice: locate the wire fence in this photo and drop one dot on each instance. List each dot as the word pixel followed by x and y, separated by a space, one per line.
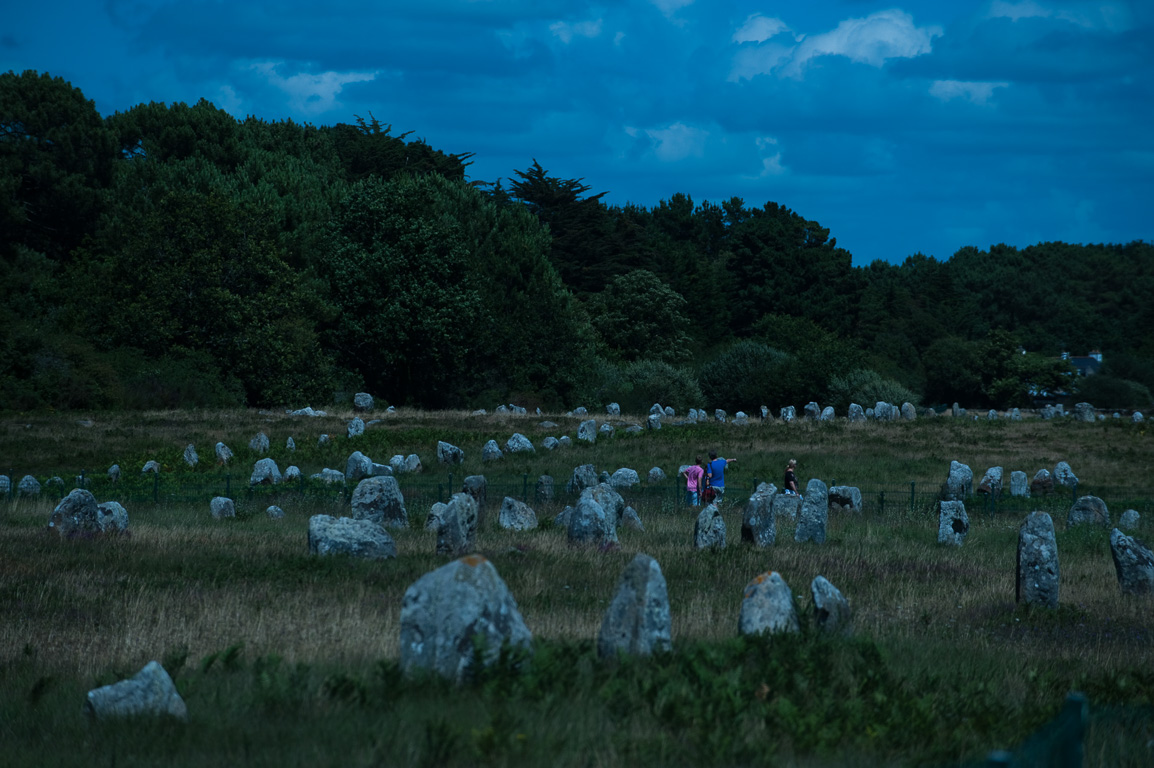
pixel 421 491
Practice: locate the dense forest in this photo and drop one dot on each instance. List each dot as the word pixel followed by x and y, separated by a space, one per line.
pixel 173 256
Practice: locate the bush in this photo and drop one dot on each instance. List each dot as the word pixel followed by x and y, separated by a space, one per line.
pixel 748 375
pixel 636 386
pixel 866 387
pixel 1111 392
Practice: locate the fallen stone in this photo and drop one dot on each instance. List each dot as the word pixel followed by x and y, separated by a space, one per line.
pixel 448 453
pixel 845 498
pixel 345 536
pixel 149 693
pixel 222 506
pixel 624 478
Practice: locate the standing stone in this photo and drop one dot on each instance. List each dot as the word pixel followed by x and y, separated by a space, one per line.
pixel 435 517
pixel 605 430
pixel 788 413
pixel 290 444
pixel 909 413
pixel 767 607
pixel 827 414
pixel 959 483
pixel 457 532
pixel 991 415
pixel 76 514
pixel 322 440
pixel 356 427
pixel 653 422
pixel 412 464
pixel 565 441
pixel 379 499
pixel 1137 417
pixel 5 486
pixel 953 523
pixel 1064 476
pixel 549 443
pixel 741 419
pixel 111 517
pixel 259 444
pixel 1019 488
pixel 292 472
pixel 190 457
pixel 448 453
pixel 1043 483
pixel 845 498
pixel 957 410
pixel 1015 414
pixel 1088 510
pixel 656 475
pixel 114 473
pixel 518 443
pixel 1134 563
pixel 884 411
pixel 491 451
pixel 222 506
pixel 346 536
pixel 638 621
pixel 624 478
pixel 478 488
pixel 764 412
pixel 149 693
pixel 591 523
pixel 814 513
pixel 151 465
pixel 719 415
pixel 787 505
pixel 1129 520
pixel 1038 575
pixel 28 486
pixel 223 454
pixel 758 526
pixel 669 412
pixel 856 414
pixel 451 611
pixel 587 431
pixel 362 401
pixel 631 520
pixel 831 611
pixel 358 466
pixel 584 476
pixel 516 515
pixel 613 409
pixel 709 530
pixel 265 472
pixel 612 501
pixel 1084 412
pixel 991 483
pixel 274 512
pixel 545 491
pixel 812 411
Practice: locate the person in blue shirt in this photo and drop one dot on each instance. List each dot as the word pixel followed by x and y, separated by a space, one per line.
pixel 715 474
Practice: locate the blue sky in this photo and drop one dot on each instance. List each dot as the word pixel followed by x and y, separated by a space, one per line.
pixel 903 127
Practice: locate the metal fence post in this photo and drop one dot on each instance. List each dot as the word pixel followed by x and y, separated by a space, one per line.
pixel 913 495
pixel 882 503
pixel 525 487
pixel 156 488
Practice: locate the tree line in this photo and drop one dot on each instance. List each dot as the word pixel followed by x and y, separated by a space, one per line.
pixel 174 256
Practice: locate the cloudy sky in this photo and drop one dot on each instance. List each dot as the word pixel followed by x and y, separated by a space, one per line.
pixel 910 127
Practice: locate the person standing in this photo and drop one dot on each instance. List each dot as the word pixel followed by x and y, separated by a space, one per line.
pixel 715 474
pixel 694 475
pixel 789 483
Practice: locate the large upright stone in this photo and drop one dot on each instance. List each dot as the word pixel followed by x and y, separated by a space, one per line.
pixel 76 514
pixel 959 483
pixel 653 421
pixel 991 483
pixel 112 517
pixel 814 513
pixel 788 413
pixel 953 523
pixel 223 454
pixel 608 497
pixel 590 523
pixel 656 475
pixel 1064 476
pixel 831 611
pixel 1038 576
pixel 767 607
pixel 1084 412
pixel 1088 510
pixel 812 411
pixel 259 444
pixel 264 472
pixel 358 466
pixel 491 451
pixel 448 612
pixel 758 526
pixel 356 427
pixel 584 476
pixel 477 487
pixel 845 498
pixel 909 413
pixel 1019 486
pixel 1134 563
pixel 362 401
pixel 345 536
pixel 457 532
pixel 1129 520
pixel 709 529
pixel 1043 483
pixel 190 456
pixel 613 409
pixel 516 515
pixel 379 499
pixel 856 413
pixel 149 693
pixel 787 505
pixel 545 490
pixel 638 621
pixel 587 431
pixel 624 478
pixel 518 443
pixel 447 453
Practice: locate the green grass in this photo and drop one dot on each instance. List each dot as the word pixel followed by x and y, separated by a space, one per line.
pixel 287 659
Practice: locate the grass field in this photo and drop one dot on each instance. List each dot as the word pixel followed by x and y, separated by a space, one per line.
pixel 287 659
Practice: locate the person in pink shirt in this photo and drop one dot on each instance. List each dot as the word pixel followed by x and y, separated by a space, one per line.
pixel 694 474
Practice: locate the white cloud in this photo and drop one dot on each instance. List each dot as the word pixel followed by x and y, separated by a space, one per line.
pixel 1089 14
pixel 977 92
pixel 758 28
pixel 670 7
pixel 674 143
pixel 873 40
pixel 1027 9
pixel 770 163
pixel 565 31
pixel 311 94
